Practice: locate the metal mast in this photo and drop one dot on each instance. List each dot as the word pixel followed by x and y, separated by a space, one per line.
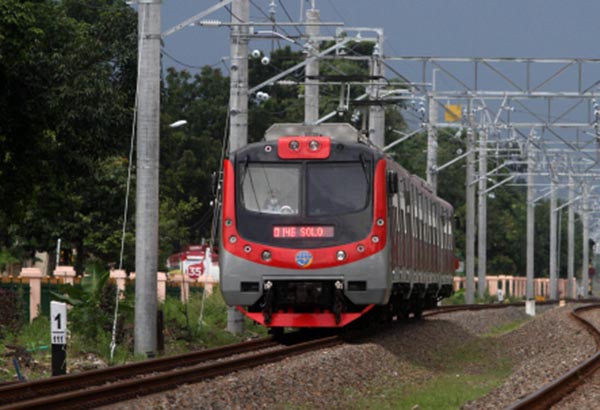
pixel 238 106
pixel 146 215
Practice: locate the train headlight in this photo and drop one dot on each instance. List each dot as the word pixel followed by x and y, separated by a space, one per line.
pixel 380 222
pixel 313 145
pixel 339 285
pixel 340 255
pixel 375 239
pixel 266 256
pixel 232 239
pixel 294 145
pixel 268 285
pixel 247 248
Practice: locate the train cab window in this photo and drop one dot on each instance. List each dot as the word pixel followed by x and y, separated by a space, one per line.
pixel 339 188
pixel 271 188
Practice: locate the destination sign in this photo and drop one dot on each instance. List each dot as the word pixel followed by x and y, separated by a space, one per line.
pixel 303 232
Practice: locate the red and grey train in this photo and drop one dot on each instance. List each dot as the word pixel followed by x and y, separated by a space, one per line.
pixel 319 228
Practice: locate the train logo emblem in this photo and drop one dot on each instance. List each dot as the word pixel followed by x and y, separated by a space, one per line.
pixel 304 259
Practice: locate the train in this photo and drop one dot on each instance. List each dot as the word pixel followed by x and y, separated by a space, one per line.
pixel 319 227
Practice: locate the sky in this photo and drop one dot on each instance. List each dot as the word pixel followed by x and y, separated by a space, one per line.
pixel 442 28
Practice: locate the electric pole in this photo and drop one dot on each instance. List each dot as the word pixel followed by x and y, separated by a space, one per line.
pixel 146 215
pixel 553 240
pixel 470 192
pixel 238 107
pixel 432 140
pixel 571 239
pixel 311 82
pixel 530 218
pixel 585 208
pixel 482 215
pixel 376 111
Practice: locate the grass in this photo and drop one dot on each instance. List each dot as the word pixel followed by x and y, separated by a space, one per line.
pixel 462 374
pixel 506 328
pixel 182 333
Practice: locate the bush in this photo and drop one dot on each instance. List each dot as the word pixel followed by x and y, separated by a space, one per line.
pixel 92 314
pixel 12 312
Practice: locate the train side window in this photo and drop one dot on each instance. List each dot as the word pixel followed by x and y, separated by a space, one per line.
pixel 402 203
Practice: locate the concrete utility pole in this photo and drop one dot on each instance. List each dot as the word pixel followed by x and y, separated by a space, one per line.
pixel 311 82
pixel 585 278
pixel 146 215
pixel 571 240
pixel 553 240
pixel 482 214
pixel 238 90
pixel 530 219
pixel 470 192
pixel 376 111
pixel 432 139
pixel 238 107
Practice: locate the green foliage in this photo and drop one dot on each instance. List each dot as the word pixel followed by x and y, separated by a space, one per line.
pixel 12 312
pixel 182 325
pixel 68 71
pixel 34 334
pixel 93 307
pixel 461 374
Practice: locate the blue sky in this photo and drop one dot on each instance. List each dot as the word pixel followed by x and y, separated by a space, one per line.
pixel 448 28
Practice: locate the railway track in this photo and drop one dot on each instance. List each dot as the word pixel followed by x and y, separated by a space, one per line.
pixel 101 387
pixel 554 392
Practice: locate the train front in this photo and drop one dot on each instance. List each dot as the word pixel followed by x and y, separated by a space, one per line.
pixel 304 231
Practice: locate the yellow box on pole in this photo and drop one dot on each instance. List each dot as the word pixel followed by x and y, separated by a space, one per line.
pixel 452 112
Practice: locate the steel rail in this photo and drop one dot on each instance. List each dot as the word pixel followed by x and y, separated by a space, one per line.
pixel 132 388
pixel 555 391
pixel 17 392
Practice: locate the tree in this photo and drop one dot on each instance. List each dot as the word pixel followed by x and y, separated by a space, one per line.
pixel 70 69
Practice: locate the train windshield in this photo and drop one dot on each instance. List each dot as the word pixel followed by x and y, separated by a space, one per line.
pixel 337 188
pixel 271 188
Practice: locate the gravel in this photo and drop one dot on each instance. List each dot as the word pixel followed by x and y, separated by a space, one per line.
pixel 543 350
pixel 336 378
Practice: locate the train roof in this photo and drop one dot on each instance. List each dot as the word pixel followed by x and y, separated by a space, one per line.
pixel 337 131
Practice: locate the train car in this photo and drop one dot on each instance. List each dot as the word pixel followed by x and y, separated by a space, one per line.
pixel 319 228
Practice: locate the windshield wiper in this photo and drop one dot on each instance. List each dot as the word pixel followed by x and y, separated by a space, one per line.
pixel 243 178
pixel 363 162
